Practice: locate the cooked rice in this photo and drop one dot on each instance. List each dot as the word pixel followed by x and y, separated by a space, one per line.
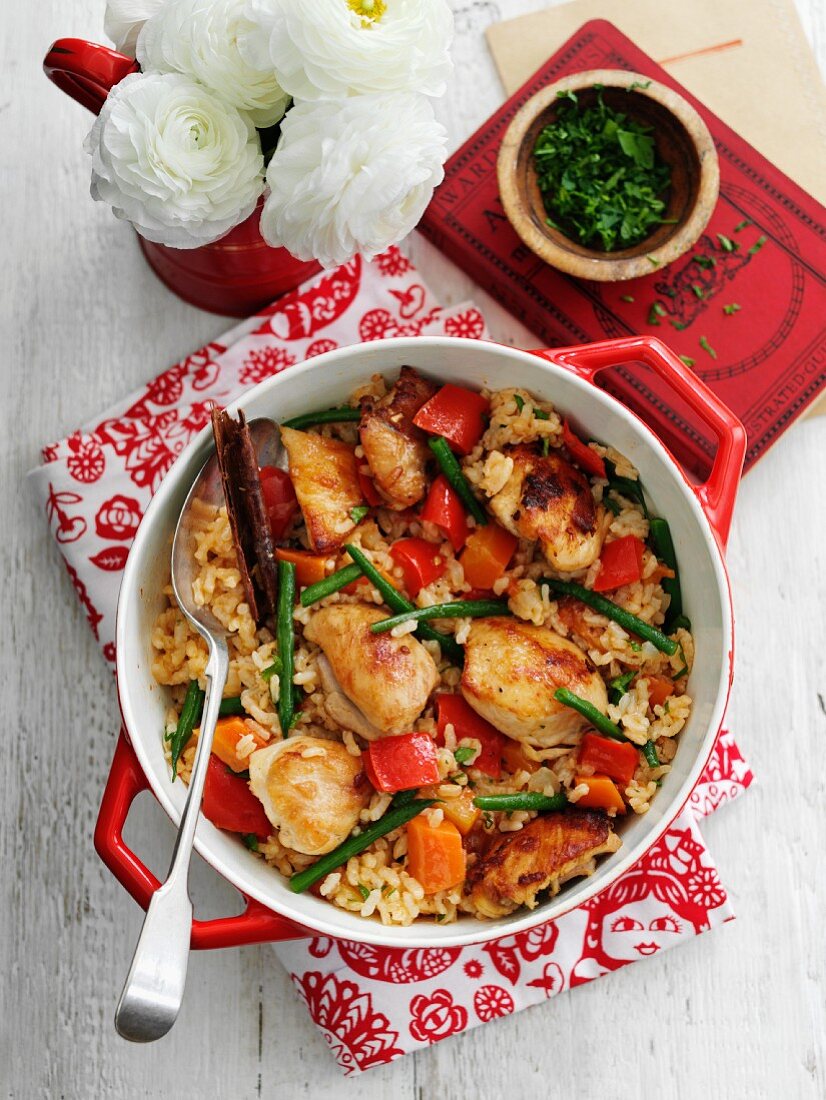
pixel 376 883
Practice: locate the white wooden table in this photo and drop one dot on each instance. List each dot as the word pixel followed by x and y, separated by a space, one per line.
pixel 739 1012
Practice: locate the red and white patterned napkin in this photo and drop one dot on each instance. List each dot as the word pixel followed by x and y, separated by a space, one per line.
pixel 372 1004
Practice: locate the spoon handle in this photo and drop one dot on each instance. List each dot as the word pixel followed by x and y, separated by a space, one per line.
pixel 154 987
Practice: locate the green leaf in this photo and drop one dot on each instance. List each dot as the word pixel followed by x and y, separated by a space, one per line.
pixel 729 310
pixel 463 754
pixel 706 346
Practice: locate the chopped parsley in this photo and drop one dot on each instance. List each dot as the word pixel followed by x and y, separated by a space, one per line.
pixel 520 402
pixel 742 225
pixel 620 685
pixel 601 178
pixel 362 889
pixel 689 362
pixel 463 754
pixel 635 646
pixel 698 291
pixel 758 244
pixel 657 310
pixel 729 310
pixel 678 325
pixel 726 243
pixel 251 841
pixel 706 262
pixel 271 670
pixel 358 514
pixel 706 346
pixel 540 414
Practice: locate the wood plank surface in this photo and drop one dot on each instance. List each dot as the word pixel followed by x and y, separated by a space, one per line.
pixel 738 1013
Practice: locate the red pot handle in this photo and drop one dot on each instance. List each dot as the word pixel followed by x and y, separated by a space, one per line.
pixel 85 71
pixel 256 924
pixel 718 493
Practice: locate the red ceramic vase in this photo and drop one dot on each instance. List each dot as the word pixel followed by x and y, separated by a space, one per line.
pixel 236 275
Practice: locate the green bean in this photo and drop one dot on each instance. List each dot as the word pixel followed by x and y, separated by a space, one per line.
pixel 231 705
pixel 625 486
pixel 190 711
pixel 649 751
pixel 336 581
pixel 453 472
pixel 397 815
pixel 328 416
pixel 399 603
pixel 455 609
pixel 605 607
pixel 589 711
pixel 285 636
pixel 524 800
pixel 663 546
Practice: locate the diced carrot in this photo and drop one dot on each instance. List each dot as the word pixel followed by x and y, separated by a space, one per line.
pixel 486 554
pixel 435 856
pixel 659 573
pixel 309 568
pixel 603 793
pixel 659 689
pixel 515 759
pixel 228 733
pixel 461 811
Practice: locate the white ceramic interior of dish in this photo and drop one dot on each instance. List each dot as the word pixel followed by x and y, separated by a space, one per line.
pixel 327 381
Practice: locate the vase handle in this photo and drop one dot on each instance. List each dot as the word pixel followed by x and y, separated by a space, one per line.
pixel 85 71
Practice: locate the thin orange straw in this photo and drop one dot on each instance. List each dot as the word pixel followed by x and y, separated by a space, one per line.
pixel 706 49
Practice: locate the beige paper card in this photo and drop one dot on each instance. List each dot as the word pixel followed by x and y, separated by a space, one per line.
pixel 747 60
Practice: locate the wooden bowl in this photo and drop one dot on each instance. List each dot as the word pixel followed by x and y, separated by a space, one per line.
pixel 682 141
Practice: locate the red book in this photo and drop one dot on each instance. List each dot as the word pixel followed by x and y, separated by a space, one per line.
pixel 764 250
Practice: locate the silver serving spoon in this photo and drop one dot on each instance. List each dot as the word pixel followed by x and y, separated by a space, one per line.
pixel 154 987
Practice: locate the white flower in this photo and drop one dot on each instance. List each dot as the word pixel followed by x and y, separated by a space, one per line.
pixel 327 49
pixel 177 162
pixel 201 38
pixel 124 19
pixel 353 176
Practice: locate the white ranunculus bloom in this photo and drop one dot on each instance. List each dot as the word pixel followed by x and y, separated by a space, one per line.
pixel 123 20
pixel 176 161
pixel 201 38
pixel 353 176
pixel 327 49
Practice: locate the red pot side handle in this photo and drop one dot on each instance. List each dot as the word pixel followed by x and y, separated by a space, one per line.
pixel 256 924
pixel 718 493
pixel 85 71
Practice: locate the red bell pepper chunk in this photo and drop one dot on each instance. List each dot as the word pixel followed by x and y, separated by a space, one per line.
pixel 619 563
pixel 457 414
pixel 369 490
pixel 421 563
pixel 280 500
pixel 618 759
pixel 453 710
pixel 402 762
pixel 230 804
pixel 444 508
pixel 581 453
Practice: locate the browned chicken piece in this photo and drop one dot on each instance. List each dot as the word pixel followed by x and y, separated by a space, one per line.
pixel 512 670
pixel 545 853
pixel 389 679
pixel 572 613
pixel 548 499
pixel 325 479
pixel 312 791
pixel 395 449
